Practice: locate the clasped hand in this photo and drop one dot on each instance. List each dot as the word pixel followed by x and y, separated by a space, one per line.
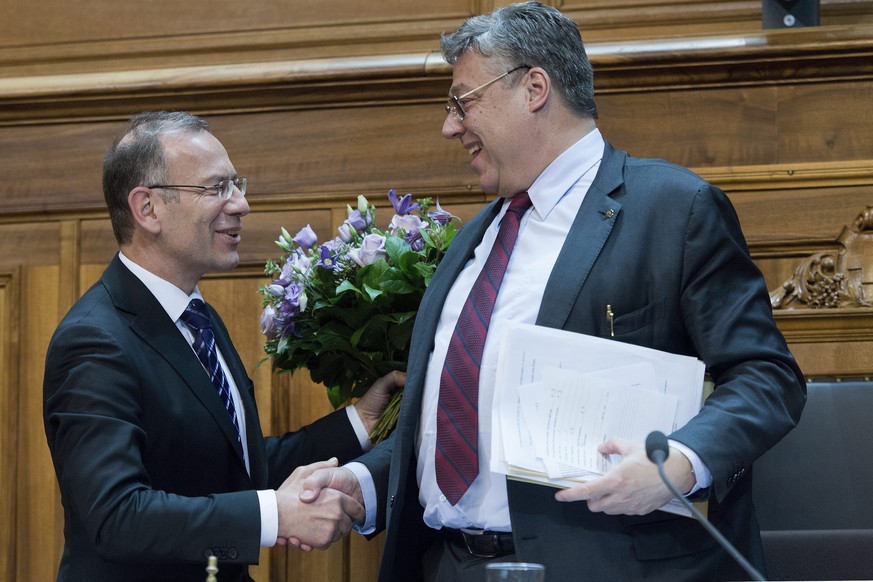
pixel 315 520
pixel 634 486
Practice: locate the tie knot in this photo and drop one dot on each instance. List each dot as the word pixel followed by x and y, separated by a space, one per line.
pixel 520 203
pixel 196 315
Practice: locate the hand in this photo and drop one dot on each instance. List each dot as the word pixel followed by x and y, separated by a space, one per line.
pixel 633 487
pixel 330 477
pixel 319 522
pixel 374 401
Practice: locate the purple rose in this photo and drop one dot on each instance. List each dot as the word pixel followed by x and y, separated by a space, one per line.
pixel 306 237
pixel 408 223
pixel 372 249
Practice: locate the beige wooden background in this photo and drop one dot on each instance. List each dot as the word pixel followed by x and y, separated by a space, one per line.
pixel 319 102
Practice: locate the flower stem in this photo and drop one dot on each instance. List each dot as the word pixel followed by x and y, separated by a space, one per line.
pixel 387 420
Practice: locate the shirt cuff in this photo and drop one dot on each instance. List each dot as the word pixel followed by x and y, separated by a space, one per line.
pixel 701 472
pixel 359 428
pixel 368 491
pixel 269 518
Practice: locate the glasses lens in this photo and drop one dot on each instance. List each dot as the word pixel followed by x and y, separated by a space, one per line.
pixel 224 189
pixel 453 105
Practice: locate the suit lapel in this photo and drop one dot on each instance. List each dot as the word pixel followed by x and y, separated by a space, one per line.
pixel 589 232
pixel 150 322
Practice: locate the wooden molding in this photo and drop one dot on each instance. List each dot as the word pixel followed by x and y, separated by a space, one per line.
pixel 790 176
pixel 769 57
pixel 806 326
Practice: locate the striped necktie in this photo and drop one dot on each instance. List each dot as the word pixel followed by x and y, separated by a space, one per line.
pixel 457 457
pixel 197 318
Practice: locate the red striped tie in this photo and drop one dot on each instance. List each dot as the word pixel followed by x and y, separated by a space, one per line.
pixel 457 457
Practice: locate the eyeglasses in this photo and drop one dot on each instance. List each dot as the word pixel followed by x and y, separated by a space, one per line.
pixel 223 190
pixel 456 104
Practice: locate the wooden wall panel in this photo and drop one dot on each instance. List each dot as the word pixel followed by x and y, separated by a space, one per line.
pixel 317 104
pixel 10 330
pixel 39 522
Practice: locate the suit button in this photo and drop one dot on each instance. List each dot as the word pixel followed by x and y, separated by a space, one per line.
pixel 391 502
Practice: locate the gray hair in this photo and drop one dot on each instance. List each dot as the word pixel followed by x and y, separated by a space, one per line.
pixel 137 158
pixel 532 34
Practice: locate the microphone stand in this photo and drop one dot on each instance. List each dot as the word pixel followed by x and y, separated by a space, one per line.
pixel 658 455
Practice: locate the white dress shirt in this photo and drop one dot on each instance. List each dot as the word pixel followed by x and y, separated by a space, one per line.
pixel 557 195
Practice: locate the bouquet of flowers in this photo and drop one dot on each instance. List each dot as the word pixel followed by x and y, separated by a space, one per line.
pixel 344 309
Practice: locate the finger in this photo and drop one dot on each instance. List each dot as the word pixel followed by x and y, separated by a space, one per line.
pixel 614 447
pixel 353 509
pixel 577 493
pixel 304 471
pixel 280 541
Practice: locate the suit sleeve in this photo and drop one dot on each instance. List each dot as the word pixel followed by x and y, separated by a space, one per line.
pixel 329 436
pixel 93 414
pixel 760 391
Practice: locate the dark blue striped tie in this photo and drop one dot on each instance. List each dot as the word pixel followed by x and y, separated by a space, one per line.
pixel 197 318
pixel 457 456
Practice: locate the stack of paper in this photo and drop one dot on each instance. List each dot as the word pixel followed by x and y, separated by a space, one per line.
pixel 560 395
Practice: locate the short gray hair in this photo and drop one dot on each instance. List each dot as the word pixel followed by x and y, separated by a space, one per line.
pixel 532 34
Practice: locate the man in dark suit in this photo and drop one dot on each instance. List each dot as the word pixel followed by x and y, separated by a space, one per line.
pixel 634 250
pixel 158 465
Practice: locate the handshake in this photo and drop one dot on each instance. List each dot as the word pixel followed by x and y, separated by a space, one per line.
pixel 318 504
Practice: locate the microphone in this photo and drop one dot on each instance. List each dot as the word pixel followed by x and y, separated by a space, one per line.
pixel 658 450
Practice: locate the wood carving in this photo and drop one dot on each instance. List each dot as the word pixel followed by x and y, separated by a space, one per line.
pixel 843 278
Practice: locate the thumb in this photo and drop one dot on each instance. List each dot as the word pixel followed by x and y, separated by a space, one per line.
pixel 612 447
pixel 315 477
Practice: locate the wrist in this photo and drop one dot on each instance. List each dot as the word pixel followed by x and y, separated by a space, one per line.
pixel 680 470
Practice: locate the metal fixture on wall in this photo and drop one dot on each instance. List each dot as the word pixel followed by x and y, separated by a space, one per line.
pixel 790 13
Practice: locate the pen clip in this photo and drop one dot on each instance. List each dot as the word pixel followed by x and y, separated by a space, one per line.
pixel 610 316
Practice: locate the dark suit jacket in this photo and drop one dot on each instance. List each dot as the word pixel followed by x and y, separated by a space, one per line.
pixel 151 475
pixel 665 250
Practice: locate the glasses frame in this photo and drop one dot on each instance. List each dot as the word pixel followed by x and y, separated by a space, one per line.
pixel 455 105
pixel 221 191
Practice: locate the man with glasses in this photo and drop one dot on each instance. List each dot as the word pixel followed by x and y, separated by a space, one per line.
pixel 149 413
pixel 635 250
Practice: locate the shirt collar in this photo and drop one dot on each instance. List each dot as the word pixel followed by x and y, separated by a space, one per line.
pixel 560 176
pixel 172 299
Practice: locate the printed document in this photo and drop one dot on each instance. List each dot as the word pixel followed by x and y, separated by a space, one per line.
pixel 560 394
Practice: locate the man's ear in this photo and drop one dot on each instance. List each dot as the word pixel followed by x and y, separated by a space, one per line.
pixel 539 88
pixel 142 203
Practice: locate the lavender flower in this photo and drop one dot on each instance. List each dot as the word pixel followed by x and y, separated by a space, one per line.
pixel 306 237
pixel 356 220
pixel 407 223
pixel 372 248
pixel 440 216
pixel 270 327
pixel 403 205
pixel 328 258
pixel 345 232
